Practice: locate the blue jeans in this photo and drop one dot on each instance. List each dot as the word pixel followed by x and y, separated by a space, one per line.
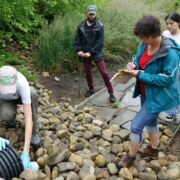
pixel 143 119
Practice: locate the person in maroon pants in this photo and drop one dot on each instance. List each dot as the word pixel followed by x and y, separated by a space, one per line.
pixel 89 45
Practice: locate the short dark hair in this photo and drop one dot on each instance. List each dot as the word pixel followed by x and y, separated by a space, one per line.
pixel 147 26
pixel 173 16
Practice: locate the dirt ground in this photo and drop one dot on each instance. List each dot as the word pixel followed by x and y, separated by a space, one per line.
pixel 71 87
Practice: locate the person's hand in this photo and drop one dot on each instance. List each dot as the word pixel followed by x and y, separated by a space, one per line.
pixel 26 160
pixel 3 143
pixel 87 55
pixel 133 72
pixel 80 53
pixel 130 66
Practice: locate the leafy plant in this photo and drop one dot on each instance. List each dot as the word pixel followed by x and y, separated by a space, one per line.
pixel 18 20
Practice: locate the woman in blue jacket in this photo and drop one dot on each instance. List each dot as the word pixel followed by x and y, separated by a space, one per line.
pixel 155 67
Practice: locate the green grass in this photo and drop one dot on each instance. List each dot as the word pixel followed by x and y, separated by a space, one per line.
pixel 7 58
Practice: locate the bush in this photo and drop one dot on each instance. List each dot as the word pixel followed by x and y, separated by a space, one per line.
pixel 18 21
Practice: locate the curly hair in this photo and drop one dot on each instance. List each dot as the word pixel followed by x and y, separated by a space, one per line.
pixel 147 26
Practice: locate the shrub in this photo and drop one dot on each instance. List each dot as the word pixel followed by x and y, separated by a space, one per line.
pixel 18 21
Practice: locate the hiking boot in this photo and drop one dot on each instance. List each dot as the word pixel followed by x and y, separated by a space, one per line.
pixel 89 93
pixel 112 98
pixel 36 142
pixel 149 152
pixel 126 161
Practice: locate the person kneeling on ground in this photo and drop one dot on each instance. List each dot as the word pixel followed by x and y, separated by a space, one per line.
pixel 15 89
pixel 155 68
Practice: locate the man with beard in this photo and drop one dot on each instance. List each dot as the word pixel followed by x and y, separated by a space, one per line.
pixel 89 46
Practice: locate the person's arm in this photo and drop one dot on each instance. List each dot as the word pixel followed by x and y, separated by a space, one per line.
pixel 77 41
pixel 28 126
pixel 28 133
pixel 168 74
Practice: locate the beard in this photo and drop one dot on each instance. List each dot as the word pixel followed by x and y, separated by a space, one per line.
pixel 91 20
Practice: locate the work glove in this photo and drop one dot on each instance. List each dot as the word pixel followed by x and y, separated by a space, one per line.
pixel 26 160
pixel 3 143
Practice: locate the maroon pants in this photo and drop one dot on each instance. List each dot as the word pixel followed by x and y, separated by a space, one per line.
pixel 87 62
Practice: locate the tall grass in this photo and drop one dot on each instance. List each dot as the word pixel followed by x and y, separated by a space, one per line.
pixel 56 44
pixel 118 17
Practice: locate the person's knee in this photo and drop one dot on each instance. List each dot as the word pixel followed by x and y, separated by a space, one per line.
pixel 104 73
pixel 7 114
pixel 135 127
pixel 152 129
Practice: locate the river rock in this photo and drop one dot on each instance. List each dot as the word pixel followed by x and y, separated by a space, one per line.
pixel 147 176
pixel 87 169
pixel 112 168
pixel 66 166
pixel 126 173
pixel 29 175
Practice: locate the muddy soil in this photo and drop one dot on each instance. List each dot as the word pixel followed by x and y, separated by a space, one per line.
pixel 72 86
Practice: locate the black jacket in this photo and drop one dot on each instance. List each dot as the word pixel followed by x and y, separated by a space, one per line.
pixel 90 39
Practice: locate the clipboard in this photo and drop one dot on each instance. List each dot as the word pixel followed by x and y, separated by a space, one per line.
pixel 121 77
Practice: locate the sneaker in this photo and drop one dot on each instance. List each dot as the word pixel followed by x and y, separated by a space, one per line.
pixel 126 161
pixel 36 142
pixel 166 117
pixel 149 152
pixel 89 93
pixel 170 118
pixel 112 98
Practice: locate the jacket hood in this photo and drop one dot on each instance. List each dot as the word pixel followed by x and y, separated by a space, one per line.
pixel 166 44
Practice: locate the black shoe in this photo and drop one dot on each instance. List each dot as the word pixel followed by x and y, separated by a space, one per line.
pixel 36 142
pixel 112 98
pixel 89 93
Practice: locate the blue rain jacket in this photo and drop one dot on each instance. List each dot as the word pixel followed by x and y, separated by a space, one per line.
pixel 159 76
